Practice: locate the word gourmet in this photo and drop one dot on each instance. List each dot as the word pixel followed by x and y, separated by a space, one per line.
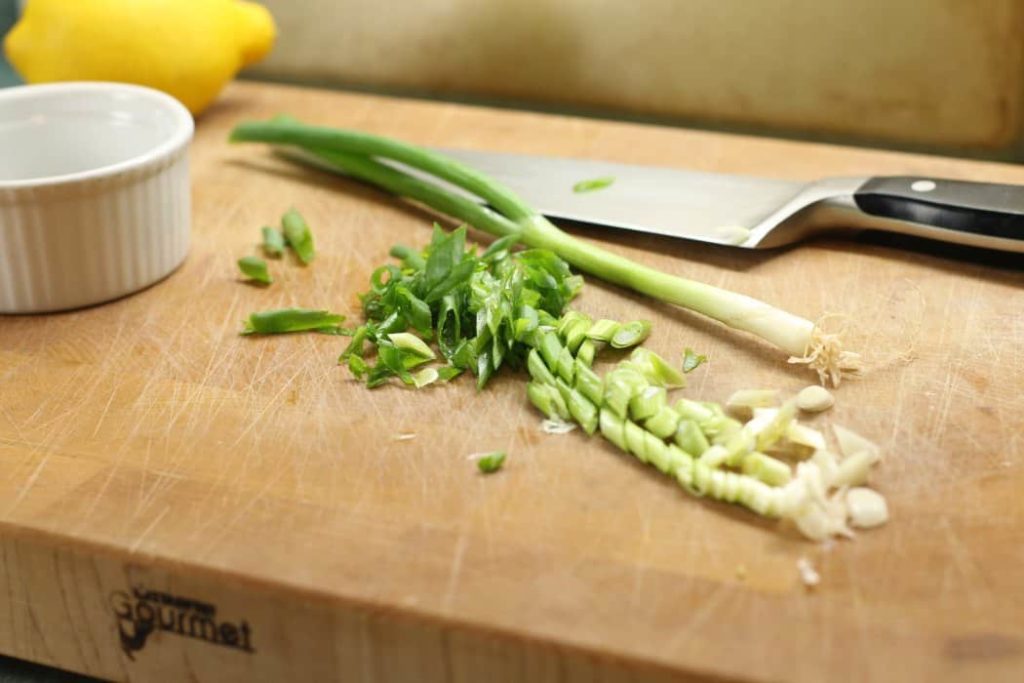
pixel 143 612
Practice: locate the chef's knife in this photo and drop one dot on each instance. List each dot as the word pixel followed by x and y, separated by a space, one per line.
pixel 755 213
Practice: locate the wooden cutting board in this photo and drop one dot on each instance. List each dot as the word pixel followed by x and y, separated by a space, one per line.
pixel 265 510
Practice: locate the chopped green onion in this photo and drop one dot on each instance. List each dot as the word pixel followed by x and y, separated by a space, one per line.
pixel 585 354
pixel 805 437
pixel 593 184
pixel 286 320
pixel 620 386
pixel 448 373
pixel 690 438
pixel 273 242
pixel 745 400
pixel 603 330
pixel 853 469
pixel 491 462
pixel 772 426
pixel 814 399
pixel 412 344
pixel 255 268
pixel 424 377
pixel 663 423
pixel 357 366
pixel 630 334
pixel 547 400
pixel 866 507
pixel 851 443
pixel 766 468
pixel 298 235
pixel 692 360
pixel 694 410
pixel 656 369
pixel 647 403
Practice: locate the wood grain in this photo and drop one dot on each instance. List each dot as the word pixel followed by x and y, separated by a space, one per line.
pixel 145 445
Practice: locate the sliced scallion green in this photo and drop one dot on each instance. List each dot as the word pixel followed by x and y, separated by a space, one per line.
pixel 489 463
pixel 298 235
pixel 285 320
pixel 593 184
pixel 273 242
pixel 692 360
pixel 255 268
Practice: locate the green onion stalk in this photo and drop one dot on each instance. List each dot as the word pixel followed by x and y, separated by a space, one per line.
pixel 365 157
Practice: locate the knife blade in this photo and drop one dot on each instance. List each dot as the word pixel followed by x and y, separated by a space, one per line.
pixel 752 212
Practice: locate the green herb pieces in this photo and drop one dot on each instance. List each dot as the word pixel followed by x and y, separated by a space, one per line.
pixel 285 320
pixel 273 242
pixel 593 184
pixel 298 235
pixel 255 268
pixel 479 309
pixel 692 360
pixel 489 463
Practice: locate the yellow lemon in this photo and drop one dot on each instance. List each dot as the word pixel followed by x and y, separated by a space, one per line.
pixel 188 48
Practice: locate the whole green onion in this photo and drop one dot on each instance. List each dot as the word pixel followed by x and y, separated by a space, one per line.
pixel 360 155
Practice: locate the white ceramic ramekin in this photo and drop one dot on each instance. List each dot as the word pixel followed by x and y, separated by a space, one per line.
pixel 94 193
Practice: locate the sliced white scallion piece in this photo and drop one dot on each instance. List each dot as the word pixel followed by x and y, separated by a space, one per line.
pixel 851 442
pixel 775 427
pixel 714 456
pixel 866 508
pixel 827 464
pixel 744 401
pixel 804 437
pixel 853 470
pixel 815 399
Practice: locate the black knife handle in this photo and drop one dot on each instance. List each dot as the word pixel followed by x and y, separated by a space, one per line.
pixel 984 209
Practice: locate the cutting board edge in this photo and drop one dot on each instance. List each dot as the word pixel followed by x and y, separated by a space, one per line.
pixel 443 648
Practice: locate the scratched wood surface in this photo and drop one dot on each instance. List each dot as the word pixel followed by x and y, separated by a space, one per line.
pixel 153 462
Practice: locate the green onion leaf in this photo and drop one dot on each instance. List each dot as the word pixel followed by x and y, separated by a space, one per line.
pixel 448 373
pixel 498 246
pixel 286 320
pixel 692 360
pixel 355 347
pixel 593 184
pixel 299 237
pixel 273 242
pixel 255 268
pixel 491 462
pixel 446 251
pixel 358 366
